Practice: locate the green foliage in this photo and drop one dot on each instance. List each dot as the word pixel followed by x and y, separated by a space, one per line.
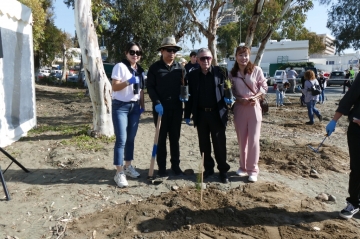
pixel 39 20
pixel 135 22
pixel 61 128
pixel 228 39
pixel 297 64
pixel 85 142
pixel 343 21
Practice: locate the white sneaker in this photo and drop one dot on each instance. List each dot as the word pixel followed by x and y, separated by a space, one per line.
pixel 241 173
pixel 131 172
pixel 120 180
pixel 252 179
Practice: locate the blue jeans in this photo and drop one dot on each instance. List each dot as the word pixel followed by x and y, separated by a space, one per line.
pixel 125 117
pixel 279 97
pixel 322 96
pixel 312 110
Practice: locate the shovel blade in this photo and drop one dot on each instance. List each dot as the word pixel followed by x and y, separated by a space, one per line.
pixel 313 149
pixel 156 180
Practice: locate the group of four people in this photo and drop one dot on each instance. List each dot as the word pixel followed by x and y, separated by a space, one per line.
pixel 206 107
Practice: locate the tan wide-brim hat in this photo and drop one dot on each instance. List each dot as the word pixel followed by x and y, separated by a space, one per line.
pixel 169 42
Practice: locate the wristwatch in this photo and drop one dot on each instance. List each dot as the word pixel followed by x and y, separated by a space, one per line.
pixel 127 83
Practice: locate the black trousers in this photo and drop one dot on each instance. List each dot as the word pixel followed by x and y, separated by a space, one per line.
pixel 346 83
pixel 353 138
pixel 209 124
pixel 170 126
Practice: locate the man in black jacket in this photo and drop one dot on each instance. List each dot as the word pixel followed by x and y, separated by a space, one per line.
pixel 207 106
pixel 350 105
pixel 163 84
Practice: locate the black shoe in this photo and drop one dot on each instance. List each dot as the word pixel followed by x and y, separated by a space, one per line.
pixel 224 178
pixel 162 173
pixel 320 118
pixel 309 123
pixel 177 170
pixel 208 173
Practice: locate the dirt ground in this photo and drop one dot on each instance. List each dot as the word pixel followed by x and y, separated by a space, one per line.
pixel 70 192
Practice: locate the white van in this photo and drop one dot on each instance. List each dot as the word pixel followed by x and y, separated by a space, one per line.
pixel 278 76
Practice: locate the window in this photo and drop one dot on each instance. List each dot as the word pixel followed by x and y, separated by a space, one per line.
pixel 330 62
pixel 352 62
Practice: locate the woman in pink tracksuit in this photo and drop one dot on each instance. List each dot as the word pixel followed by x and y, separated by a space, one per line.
pixel 249 84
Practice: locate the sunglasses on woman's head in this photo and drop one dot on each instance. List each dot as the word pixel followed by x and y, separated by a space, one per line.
pixel 132 52
pixel 203 58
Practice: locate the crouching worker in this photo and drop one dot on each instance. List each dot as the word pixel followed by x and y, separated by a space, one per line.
pixel 280 92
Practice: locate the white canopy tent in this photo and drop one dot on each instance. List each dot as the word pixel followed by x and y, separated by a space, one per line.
pixel 17 82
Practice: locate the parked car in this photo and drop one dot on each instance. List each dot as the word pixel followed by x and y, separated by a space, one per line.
pixel 299 76
pixel 72 78
pixel 44 72
pixel 57 75
pixel 278 76
pixel 336 78
pixel 270 81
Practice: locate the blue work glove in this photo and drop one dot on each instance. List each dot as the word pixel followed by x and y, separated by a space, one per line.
pixel 133 79
pixel 228 101
pixel 187 121
pixel 159 109
pixel 142 110
pixel 330 127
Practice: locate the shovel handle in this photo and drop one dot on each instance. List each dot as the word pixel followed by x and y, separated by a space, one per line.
pixel 154 151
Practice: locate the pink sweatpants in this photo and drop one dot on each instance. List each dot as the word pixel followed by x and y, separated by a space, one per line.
pixel 247 126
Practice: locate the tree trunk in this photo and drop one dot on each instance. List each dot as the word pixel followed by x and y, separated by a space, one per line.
pixel 98 84
pixel 261 50
pixel 270 31
pixel 209 31
pixel 258 8
pixel 63 76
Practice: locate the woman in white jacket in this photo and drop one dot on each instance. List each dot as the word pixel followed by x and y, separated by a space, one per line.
pixel 310 99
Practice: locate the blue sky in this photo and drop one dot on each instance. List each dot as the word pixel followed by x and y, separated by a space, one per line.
pixel 316 22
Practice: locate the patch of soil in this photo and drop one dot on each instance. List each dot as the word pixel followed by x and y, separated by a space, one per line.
pixel 250 211
pixel 70 192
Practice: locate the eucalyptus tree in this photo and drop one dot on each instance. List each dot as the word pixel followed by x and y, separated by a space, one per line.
pixel 147 22
pixel 98 84
pixel 280 11
pixel 343 21
pixel 210 28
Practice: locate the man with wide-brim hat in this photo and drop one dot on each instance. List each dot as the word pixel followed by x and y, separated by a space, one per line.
pixel 169 42
pixel 164 79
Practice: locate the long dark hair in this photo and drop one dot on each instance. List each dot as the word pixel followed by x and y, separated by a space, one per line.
pixel 249 67
pixel 131 44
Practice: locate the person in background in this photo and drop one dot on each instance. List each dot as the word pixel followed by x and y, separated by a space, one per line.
pixel 127 105
pixel 352 73
pixel 182 62
pixel 350 105
pixel 322 81
pixel 249 84
pixel 347 82
pixel 210 113
pixel 192 64
pixel 291 77
pixel 280 92
pixel 311 100
pixel 163 84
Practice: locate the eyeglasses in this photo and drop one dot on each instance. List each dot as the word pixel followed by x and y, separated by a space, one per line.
pixel 170 50
pixel 132 52
pixel 203 58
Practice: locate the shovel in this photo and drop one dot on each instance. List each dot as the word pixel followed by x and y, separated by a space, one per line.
pixel 151 179
pixel 317 150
